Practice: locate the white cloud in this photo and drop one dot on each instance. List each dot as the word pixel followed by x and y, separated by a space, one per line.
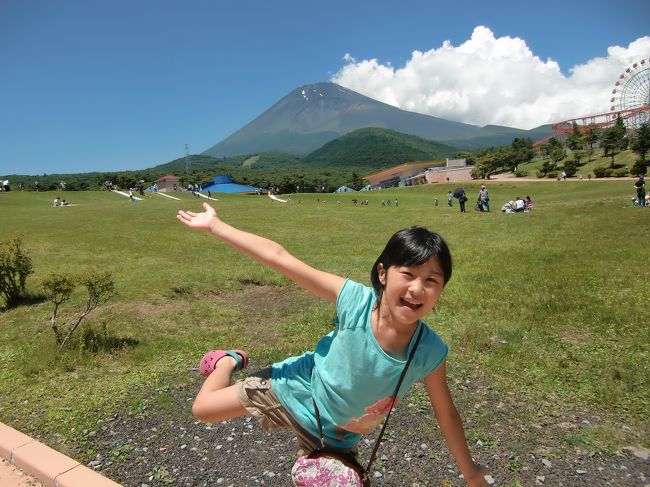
pixel 488 80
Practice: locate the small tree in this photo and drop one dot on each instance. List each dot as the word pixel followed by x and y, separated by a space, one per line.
pixel 557 154
pixel 613 139
pixel 15 266
pixel 58 289
pixel 575 141
pixel 641 141
pixel 548 166
pixel 523 152
pixel 590 138
pixel 356 182
pixel 485 165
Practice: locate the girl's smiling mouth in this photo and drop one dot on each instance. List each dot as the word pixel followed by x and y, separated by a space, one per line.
pixel 413 306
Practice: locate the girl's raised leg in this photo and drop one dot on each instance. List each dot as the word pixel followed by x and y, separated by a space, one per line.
pixel 217 400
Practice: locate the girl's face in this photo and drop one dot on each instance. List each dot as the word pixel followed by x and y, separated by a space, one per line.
pixel 410 292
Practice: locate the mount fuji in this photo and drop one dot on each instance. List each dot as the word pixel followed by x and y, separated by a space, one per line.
pixel 312 115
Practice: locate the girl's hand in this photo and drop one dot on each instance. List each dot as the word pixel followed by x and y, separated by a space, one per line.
pixel 477 477
pixel 199 221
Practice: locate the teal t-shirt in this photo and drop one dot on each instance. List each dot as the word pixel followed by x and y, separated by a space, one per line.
pixel 349 376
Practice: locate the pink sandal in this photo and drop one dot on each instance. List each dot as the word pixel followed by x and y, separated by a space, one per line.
pixel 210 359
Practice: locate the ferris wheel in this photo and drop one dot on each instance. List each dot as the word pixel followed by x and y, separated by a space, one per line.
pixel 631 94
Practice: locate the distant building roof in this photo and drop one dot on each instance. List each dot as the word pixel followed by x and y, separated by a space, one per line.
pixel 169 177
pixel 402 168
pixel 392 175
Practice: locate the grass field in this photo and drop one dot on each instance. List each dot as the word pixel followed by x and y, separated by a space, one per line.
pixel 549 307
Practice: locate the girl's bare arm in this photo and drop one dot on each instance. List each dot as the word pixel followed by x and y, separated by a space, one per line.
pixel 320 283
pixel 452 427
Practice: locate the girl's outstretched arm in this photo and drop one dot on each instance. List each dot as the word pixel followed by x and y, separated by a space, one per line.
pixel 320 283
pixel 452 427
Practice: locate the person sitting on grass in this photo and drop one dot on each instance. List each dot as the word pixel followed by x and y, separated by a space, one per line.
pixel 351 376
pixel 529 203
pixel 520 204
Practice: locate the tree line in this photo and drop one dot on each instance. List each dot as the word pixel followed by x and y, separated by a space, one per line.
pixel 289 173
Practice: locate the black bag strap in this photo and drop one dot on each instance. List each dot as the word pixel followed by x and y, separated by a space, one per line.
pixel 392 404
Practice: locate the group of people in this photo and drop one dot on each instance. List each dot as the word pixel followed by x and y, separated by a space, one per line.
pixel 59 202
pixel 518 205
pixel 482 203
pixel 388 203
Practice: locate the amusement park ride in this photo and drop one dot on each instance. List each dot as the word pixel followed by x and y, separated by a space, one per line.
pixel 630 100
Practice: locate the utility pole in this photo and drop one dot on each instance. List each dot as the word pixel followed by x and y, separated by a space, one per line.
pixel 188 164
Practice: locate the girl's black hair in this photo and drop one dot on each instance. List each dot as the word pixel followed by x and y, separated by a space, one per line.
pixel 411 246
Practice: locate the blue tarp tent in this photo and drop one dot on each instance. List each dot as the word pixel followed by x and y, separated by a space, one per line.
pixel 224 184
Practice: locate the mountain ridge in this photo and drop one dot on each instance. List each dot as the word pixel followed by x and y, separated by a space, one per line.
pixel 314 114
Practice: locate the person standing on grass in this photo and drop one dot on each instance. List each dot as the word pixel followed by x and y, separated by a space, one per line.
pixel 351 376
pixel 450 198
pixel 484 199
pixel 640 190
pixel 461 200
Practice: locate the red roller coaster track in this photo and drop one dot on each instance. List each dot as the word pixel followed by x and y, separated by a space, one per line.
pixel 561 130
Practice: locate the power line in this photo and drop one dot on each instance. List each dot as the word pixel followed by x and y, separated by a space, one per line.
pixel 188 162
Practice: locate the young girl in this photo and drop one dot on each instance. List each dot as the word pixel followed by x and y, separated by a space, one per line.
pixel 354 370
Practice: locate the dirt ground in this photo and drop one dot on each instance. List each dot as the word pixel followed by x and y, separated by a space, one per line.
pixel 166 446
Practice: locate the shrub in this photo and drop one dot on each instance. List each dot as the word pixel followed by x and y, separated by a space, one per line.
pixel 521 174
pixel 619 173
pixel 570 168
pixel 95 341
pixel 599 172
pixel 58 289
pixel 15 266
pixel 639 168
pixel 552 175
pixel 604 172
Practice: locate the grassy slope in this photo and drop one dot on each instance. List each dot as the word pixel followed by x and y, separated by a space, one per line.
pixel 559 285
pixel 624 158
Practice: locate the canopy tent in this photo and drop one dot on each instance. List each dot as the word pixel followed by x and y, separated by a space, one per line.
pixel 224 184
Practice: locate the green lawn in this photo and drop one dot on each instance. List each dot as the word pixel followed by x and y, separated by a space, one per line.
pixel 548 306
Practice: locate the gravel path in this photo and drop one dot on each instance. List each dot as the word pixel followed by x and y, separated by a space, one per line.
pixel 164 445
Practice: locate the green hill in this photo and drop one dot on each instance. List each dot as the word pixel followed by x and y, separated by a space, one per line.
pixel 200 162
pixel 376 148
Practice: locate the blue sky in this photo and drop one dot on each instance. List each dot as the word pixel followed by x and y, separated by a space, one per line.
pixel 115 85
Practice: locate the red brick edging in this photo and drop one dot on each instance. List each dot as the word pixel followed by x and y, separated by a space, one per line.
pixel 45 464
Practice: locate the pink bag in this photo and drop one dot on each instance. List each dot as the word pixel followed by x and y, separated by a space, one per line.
pixel 328 469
